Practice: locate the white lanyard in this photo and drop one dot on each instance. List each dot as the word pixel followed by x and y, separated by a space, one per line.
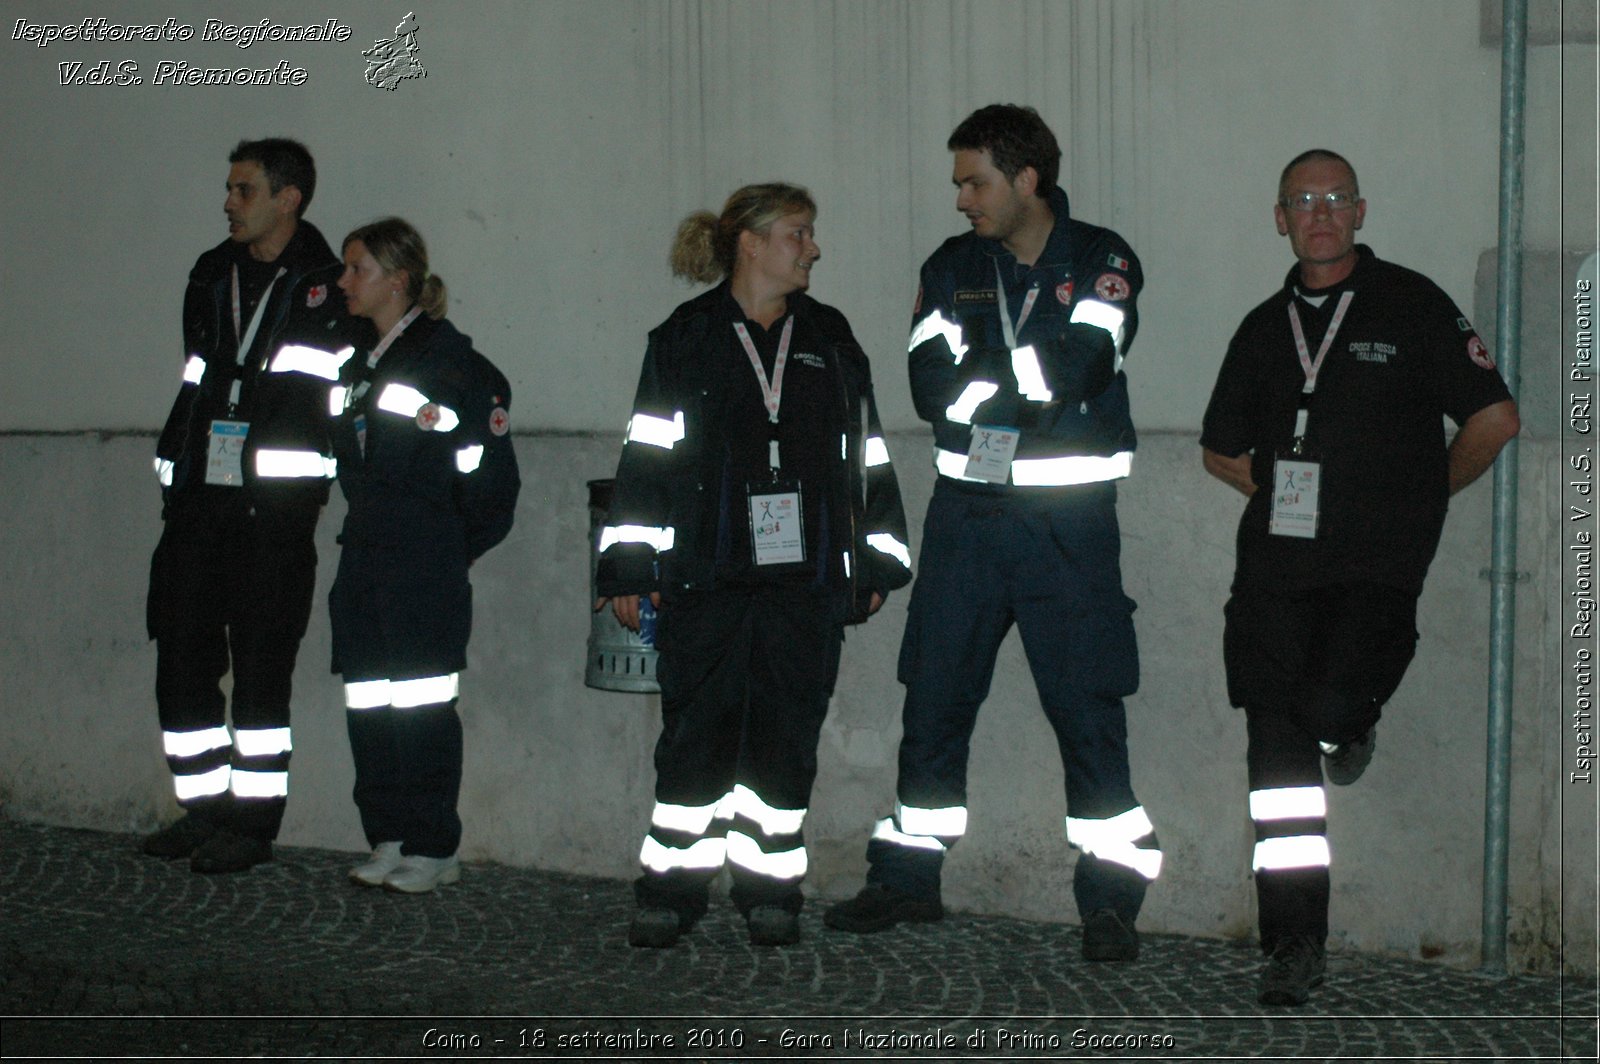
pixel 249 335
pixel 1006 327
pixel 771 393
pixel 391 336
pixel 383 345
pixel 1314 366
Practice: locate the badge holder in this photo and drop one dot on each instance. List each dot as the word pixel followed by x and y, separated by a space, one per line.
pixel 777 523
pixel 990 453
pixel 225 455
pixel 1296 484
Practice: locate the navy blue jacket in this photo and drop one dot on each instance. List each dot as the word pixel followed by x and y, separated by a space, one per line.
pixel 303 335
pixel 1063 388
pixel 672 496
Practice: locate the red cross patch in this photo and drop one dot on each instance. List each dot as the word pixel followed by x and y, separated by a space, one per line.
pixel 1111 287
pixel 1479 353
pixel 428 416
pixel 316 295
pixel 1064 293
pixel 499 421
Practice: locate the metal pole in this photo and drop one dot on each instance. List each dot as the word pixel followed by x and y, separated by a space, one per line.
pixel 1503 571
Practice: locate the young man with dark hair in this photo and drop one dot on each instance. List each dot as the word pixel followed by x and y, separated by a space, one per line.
pixel 1016 350
pixel 244 464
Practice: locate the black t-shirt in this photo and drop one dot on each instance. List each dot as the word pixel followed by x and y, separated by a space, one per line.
pixel 1402 360
pixel 807 427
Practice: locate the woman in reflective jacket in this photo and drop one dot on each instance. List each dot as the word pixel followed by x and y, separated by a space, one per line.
pixel 425 461
pixel 756 506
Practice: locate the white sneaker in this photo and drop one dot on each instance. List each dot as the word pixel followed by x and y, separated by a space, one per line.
pixel 385 859
pixel 418 875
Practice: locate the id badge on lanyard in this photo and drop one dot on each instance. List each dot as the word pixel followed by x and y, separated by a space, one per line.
pixel 777 524
pixel 1297 473
pixel 992 448
pixel 990 453
pixel 777 529
pixel 225 453
pixel 225 440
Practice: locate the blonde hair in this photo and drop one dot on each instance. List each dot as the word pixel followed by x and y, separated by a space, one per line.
pixel 706 246
pixel 396 245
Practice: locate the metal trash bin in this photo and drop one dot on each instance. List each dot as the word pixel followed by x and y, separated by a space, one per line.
pixel 619 659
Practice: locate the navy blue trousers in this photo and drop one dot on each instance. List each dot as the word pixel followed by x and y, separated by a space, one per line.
pixel 1050 565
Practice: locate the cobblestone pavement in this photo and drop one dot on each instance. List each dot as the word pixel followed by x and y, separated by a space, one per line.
pixel 110 953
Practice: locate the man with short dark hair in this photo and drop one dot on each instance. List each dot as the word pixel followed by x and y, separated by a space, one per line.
pixel 244 464
pixel 1328 415
pixel 1017 342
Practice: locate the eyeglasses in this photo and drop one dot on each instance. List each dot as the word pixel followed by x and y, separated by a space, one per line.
pixel 1306 202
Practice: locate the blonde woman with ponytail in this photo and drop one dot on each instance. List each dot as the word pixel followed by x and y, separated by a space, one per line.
pixel 755 506
pixel 421 437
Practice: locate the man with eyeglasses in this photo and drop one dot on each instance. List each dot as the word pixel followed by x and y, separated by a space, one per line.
pixel 1328 415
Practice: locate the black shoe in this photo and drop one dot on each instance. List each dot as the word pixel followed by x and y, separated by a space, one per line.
pixel 1297 964
pixel 226 852
pixel 878 907
pixel 655 929
pixel 772 926
pixel 1346 762
pixel 182 837
pixel 1107 937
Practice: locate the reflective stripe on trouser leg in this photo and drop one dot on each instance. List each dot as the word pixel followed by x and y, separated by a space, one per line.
pixel 685 838
pixel 685 847
pixel 766 851
pixel 1288 810
pixel 260 777
pixel 907 847
pixel 199 760
pixel 1127 839
pixel 408 757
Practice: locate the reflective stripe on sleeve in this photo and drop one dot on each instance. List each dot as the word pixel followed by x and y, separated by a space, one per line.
pixel 935 325
pixel 469 458
pixel 1291 851
pixel 655 431
pixel 289 465
pixel 1106 316
pixel 164 471
pixel 406 401
pixel 887 544
pixel 314 361
pixel 972 396
pixel 336 397
pixel 194 370
pixel 659 538
pixel 877 452
pixel 1030 378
